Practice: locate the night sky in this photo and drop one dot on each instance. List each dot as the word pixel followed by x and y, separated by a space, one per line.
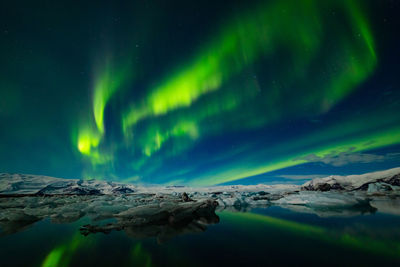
pixel 199 92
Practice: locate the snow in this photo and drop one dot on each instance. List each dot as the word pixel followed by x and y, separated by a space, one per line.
pixel 351 182
pixel 319 199
pixel 45 185
pixel 67 200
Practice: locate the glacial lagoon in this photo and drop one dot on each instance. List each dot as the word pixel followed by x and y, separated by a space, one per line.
pixel 268 236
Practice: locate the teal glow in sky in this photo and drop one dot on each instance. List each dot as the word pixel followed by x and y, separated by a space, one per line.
pixel 156 93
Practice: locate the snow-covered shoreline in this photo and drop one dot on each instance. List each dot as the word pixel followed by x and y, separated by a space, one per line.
pixel 370 184
pixel 30 197
pixel 14 184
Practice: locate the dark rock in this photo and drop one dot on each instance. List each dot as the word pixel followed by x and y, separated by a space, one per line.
pixel 395 180
pixel 364 187
pixel 323 187
pixel 275 197
pixel 83 191
pixel 269 197
pixel 307 188
pixel 53 188
pixel 123 190
pixel 164 222
pixel 185 197
pixel 336 187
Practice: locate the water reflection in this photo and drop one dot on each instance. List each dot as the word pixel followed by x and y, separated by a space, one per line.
pixel 194 236
pixel 163 229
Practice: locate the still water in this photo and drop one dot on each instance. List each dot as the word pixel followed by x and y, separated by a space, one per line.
pixel 271 236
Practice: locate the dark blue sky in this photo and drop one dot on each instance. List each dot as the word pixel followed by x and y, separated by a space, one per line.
pixel 201 93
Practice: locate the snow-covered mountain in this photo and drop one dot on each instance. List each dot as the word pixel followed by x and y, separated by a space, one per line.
pixel 390 177
pixel 25 199
pixel 15 184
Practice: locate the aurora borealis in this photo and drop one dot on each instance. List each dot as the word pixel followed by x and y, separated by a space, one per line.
pixel 199 94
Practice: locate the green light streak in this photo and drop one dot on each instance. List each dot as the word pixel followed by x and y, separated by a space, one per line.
pixel 87 139
pixel 355 144
pixel 238 45
pixel 359 62
pixel 183 129
pixel 106 85
pixel 361 24
pixel 297 28
pixel 207 95
pixel 54 257
pixel 140 257
pixel 251 220
pixel 90 133
pixel 61 255
pixel 248 218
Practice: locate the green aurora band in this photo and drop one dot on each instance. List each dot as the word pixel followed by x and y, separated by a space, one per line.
pixel 90 133
pixel 250 167
pixel 295 28
pixel 208 95
pixel 363 243
pixel 63 254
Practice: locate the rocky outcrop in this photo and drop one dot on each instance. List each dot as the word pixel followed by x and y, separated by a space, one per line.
pixel 390 177
pixel 162 221
pixel 21 184
pixel 26 199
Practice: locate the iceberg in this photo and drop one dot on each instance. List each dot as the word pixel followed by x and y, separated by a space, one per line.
pixel 26 199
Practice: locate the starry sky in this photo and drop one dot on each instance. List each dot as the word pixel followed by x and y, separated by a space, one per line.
pixel 199 92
